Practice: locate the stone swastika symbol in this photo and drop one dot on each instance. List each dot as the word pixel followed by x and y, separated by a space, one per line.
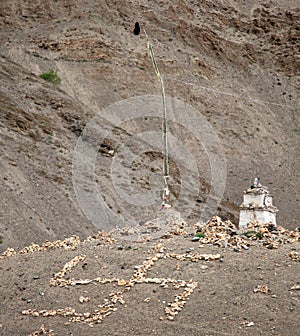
pixel 109 304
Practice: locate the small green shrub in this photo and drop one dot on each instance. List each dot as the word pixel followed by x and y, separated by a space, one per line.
pixel 51 76
pixel 252 233
pixel 259 235
pixel 134 167
pixel 200 234
pixel 248 234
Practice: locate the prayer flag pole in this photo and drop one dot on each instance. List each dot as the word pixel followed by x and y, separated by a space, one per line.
pixel 166 191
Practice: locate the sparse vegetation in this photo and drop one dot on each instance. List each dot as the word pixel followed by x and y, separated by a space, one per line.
pixel 200 234
pixel 134 167
pixel 259 235
pixel 51 76
pixel 250 233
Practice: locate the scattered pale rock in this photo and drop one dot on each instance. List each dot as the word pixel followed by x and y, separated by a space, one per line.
pixel 294 255
pixel 83 299
pixel 262 289
pixel 225 234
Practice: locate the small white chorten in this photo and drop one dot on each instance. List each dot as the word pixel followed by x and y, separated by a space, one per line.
pixel 257 206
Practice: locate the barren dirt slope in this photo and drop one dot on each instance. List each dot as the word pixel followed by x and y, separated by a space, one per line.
pixel 236 63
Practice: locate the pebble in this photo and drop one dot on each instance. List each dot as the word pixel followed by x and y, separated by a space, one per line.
pixel 195 239
pixel 83 299
pixel 295 287
pixel 25 299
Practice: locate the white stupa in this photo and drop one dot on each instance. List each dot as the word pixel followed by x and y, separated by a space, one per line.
pixel 257 206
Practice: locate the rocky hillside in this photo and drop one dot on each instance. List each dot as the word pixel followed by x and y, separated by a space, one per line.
pixel 235 62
